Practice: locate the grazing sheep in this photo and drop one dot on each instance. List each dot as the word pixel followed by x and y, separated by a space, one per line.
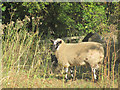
pixel 69 55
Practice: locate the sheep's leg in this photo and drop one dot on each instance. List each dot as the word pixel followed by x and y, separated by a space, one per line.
pixel 94 74
pixel 71 72
pixel 66 74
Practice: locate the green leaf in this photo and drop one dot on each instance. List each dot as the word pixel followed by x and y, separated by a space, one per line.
pixel 3 8
pixel 30 11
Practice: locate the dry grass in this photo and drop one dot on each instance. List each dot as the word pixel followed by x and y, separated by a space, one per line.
pixel 24 80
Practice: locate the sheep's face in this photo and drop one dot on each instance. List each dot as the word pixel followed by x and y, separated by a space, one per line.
pixel 56 44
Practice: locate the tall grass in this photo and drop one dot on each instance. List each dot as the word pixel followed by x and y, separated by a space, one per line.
pixel 110 68
pixel 23 50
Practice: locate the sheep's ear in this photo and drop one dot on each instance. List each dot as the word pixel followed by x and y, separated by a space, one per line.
pixel 60 41
pixel 52 40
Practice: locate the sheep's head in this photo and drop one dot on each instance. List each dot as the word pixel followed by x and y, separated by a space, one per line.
pixel 55 46
pixel 56 43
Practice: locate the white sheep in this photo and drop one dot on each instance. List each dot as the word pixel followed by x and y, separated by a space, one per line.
pixel 76 54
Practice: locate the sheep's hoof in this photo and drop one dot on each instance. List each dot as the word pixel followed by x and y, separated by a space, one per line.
pixel 95 81
pixel 66 80
pixel 74 79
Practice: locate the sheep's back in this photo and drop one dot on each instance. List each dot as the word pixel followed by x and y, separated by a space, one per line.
pixel 73 54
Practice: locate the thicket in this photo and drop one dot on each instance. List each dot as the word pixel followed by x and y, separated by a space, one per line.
pixel 60 19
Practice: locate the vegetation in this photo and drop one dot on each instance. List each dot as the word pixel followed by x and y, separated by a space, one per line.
pixel 27 28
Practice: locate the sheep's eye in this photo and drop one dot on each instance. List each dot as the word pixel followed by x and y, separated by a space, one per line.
pixel 57 44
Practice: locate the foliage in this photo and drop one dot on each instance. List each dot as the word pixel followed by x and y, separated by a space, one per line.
pixel 93 16
pixel 35 8
pixel 61 19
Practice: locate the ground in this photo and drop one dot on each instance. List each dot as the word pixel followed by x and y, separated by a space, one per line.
pixel 24 80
